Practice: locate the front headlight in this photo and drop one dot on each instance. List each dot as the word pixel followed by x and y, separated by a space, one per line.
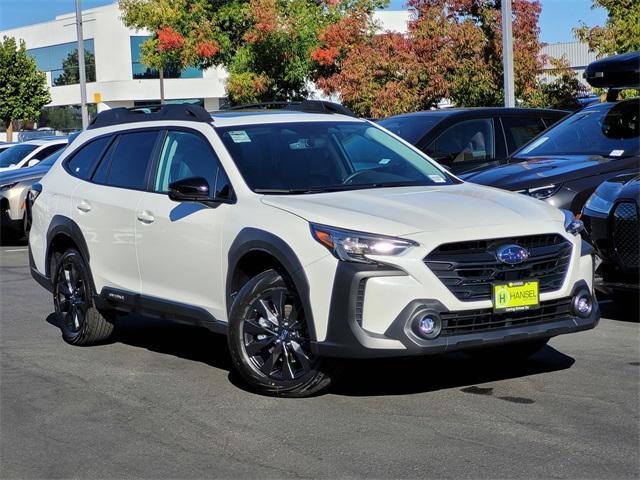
pixel 541 193
pixel 598 204
pixel 351 246
pixel 8 186
pixel 572 224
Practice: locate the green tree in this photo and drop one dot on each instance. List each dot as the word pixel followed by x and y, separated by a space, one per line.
pixel 560 89
pixel 23 89
pixel 266 45
pixel 71 70
pixel 621 31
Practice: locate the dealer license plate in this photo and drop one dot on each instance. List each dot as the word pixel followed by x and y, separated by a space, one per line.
pixel 515 296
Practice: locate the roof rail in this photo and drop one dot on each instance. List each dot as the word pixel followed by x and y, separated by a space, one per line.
pixel 308 106
pixel 116 116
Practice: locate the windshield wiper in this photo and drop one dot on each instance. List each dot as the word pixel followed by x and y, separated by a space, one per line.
pixel 333 188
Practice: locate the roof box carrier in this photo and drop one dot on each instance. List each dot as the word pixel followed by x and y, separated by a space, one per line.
pixel 116 116
pixel 616 73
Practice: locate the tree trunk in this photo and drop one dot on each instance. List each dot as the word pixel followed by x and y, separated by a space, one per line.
pixel 161 86
pixel 10 131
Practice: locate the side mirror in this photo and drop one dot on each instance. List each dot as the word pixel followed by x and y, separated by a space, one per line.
pixel 32 162
pixel 192 189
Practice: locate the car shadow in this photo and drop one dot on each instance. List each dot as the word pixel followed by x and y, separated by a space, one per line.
pixel 438 372
pixel 357 377
pixel 620 307
pixel 8 238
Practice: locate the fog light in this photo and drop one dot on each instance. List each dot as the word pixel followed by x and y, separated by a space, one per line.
pixel 583 305
pixel 429 326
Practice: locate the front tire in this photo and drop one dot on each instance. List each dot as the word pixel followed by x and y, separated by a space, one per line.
pixel 80 322
pixel 269 339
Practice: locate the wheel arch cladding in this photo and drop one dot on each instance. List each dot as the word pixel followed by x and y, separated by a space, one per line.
pixel 254 249
pixel 64 233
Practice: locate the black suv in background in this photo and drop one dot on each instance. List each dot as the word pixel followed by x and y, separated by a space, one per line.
pixel 612 219
pixel 466 139
pixel 564 165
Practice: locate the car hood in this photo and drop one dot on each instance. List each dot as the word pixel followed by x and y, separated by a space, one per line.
pixel 408 210
pixel 539 171
pixel 22 174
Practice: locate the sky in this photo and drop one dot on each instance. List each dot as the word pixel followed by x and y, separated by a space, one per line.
pixel 556 21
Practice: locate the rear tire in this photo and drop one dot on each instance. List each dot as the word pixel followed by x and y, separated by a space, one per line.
pixel 80 322
pixel 269 339
pixel 513 351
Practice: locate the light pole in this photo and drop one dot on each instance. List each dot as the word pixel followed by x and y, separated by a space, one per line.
pixel 507 55
pixel 81 68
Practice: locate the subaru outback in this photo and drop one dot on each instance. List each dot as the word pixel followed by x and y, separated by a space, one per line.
pixel 303 236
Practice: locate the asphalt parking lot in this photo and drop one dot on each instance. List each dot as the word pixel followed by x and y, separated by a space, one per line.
pixel 160 402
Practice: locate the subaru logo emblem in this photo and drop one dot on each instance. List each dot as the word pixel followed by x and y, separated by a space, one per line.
pixel 512 254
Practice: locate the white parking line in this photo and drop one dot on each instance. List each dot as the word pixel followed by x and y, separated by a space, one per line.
pixel 17 250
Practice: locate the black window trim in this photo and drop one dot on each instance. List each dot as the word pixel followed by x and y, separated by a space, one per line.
pixel 155 163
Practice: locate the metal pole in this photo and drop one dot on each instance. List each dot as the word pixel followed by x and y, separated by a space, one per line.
pixel 161 86
pixel 81 68
pixel 507 55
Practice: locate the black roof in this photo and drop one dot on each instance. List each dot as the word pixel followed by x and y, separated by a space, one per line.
pixel 183 112
pixel 449 112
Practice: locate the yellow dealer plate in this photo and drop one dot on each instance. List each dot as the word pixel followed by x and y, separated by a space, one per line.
pixel 515 296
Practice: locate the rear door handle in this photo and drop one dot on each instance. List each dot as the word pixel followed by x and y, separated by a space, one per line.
pixel 84 206
pixel 146 217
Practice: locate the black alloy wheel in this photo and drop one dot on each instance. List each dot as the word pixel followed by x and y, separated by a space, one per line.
pixel 79 320
pixel 72 295
pixel 275 337
pixel 269 339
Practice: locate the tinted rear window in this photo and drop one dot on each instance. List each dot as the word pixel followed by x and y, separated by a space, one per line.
pixel 125 164
pixel 85 159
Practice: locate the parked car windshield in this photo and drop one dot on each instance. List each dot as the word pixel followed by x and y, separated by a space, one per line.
pixel 609 132
pixel 411 127
pixel 13 155
pixel 307 157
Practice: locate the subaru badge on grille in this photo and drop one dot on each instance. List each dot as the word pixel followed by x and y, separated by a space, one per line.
pixel 512 254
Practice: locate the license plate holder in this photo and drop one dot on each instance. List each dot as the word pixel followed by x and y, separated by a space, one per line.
pixel 516 296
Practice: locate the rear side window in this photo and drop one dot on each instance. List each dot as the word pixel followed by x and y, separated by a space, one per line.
pixel 467 141
pixel 83 162
pixel 126 162
pixel 519 131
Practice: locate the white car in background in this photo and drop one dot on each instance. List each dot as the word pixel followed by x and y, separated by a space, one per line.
pixel 28 154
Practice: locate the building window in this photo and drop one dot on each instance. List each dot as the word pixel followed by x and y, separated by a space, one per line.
pixel 62 62
pixel 140 71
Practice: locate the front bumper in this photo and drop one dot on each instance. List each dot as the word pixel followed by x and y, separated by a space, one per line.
pixel 346 338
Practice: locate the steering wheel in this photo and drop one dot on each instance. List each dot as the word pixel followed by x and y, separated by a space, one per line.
pixel 354 175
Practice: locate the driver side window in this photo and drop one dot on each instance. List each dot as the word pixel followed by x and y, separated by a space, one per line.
pixel 467 141
pixel 186 155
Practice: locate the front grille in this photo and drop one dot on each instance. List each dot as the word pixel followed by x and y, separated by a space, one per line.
pixel 458 323
pixel 468 269
pixel 626 231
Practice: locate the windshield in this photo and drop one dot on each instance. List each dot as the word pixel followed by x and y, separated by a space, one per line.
pixel 307 157
pixel 411 128
pixel 13 155
pixel 610 132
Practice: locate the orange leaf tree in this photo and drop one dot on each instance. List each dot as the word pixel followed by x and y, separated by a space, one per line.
pixel 453 49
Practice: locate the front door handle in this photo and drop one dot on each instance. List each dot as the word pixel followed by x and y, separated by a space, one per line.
pixel 84 206
pixel 146 217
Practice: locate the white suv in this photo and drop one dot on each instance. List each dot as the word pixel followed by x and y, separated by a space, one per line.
pixel 302 236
